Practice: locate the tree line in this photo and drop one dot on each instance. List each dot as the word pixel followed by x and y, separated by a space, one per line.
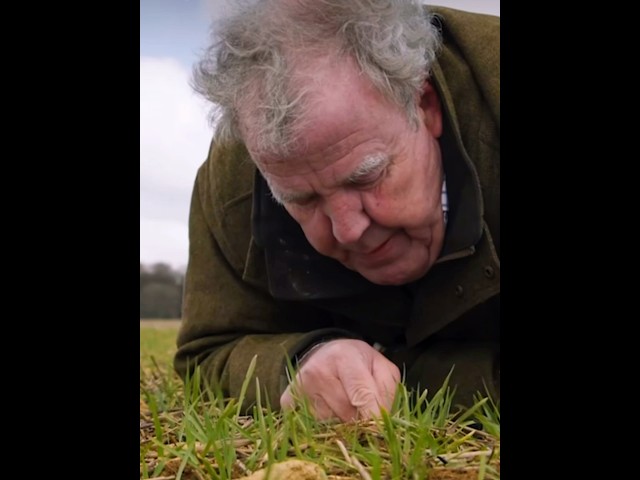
pixel 160 291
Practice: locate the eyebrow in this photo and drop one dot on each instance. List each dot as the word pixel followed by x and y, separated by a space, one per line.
pixel 287 197
pixel 370 163
pixel 284 198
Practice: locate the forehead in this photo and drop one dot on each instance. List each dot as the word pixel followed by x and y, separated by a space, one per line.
pixel 344 113
pixel 342 101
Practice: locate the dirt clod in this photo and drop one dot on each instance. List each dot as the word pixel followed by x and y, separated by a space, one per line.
pixel 290 470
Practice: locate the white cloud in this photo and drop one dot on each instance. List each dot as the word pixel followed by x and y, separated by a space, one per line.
pixel 174 140
pixel 217 9
pixel 163 241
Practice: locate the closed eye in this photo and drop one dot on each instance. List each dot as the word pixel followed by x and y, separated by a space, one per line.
pixel 368 180
pixel 370 171
pixel 292 199
pixel 300 200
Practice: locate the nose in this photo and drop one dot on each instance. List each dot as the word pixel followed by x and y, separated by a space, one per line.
pixel 348 219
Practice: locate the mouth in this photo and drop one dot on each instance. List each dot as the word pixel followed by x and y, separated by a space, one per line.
pixel 380 255
pixel 379 248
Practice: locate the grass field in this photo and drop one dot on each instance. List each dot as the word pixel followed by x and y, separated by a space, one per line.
pixel 157 340
pixel 184 435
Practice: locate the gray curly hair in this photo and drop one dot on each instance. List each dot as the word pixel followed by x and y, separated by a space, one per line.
pixel 253 64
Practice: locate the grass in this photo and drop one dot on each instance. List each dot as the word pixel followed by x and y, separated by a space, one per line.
pixel 187 434
pixel 157 341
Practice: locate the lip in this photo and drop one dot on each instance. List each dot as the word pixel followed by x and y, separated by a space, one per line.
pixel 379 247
pixel 379 254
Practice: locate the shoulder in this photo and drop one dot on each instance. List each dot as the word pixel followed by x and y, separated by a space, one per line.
pixel 228 172
pixel 467 25
pixel 226 177
pixel 225 189
pixel 470 62
pixel 475 39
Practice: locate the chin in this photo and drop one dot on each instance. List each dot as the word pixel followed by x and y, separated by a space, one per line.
pixel 395 278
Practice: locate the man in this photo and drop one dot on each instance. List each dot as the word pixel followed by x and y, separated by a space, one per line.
pixel 347 218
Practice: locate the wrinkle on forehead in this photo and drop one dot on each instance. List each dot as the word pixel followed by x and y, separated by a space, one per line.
pixel 339 102
pixel 348 121
pixel 360 145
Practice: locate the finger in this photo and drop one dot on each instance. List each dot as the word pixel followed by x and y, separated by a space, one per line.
pixel 337 400
pixel 387 377
pixel 327 395
pixel 324 395
pixel 319 408
pixel 287 401
pixel 293 393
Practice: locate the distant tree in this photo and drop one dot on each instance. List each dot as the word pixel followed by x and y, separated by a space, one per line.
pixel 163 273
pixel 158 300
pixel 160 291
pixel 144 276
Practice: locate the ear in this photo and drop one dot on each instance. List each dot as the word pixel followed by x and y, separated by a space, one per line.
pixel 430 110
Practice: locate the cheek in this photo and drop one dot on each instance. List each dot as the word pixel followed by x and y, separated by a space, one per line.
pixel 392 204
pixel 381 209
pixel 399 206
pixel 416 194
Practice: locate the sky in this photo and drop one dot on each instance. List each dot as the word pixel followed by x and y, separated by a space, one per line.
pixel 174 130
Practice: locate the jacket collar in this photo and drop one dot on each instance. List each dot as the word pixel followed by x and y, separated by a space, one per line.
pixel 466 207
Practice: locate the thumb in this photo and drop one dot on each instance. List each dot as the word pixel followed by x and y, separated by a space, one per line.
pixel 286 399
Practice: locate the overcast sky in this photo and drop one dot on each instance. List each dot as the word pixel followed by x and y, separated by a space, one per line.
pixel 174 134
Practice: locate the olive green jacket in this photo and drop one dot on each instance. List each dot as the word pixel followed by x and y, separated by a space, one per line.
pixel 230 314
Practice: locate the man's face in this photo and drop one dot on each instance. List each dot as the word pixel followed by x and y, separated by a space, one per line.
pixel 366 186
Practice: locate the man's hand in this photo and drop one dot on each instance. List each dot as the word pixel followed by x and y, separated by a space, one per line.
pixel 344 378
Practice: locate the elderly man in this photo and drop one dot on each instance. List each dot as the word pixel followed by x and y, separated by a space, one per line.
pixel 347 217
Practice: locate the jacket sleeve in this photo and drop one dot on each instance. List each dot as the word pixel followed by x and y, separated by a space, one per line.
pixel 227 321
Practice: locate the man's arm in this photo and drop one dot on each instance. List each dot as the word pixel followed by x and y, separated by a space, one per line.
pixel 226 321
